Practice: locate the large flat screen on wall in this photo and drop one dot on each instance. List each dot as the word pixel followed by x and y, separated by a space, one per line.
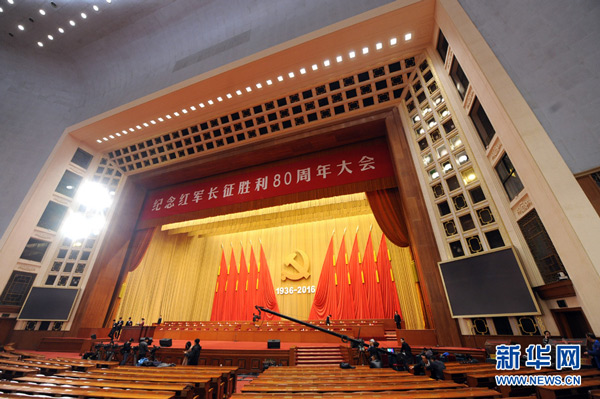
pixel 490 284
pixel 49 303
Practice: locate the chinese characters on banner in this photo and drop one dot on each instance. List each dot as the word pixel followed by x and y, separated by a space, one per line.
pixel 356 164
pixel 568 356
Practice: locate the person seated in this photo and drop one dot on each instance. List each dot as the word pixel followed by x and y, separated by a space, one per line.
pixel 593 349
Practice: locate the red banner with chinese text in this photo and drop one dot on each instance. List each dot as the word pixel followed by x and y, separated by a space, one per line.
pixel 369 161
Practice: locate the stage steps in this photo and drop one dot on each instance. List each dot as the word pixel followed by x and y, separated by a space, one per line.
pixel 314 355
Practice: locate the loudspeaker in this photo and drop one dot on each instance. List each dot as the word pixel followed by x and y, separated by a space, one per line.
pixel 93 336
pixel 273 344
pixel 166 342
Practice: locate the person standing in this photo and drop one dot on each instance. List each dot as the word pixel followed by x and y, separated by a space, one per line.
pixel 594 351
pixel 194 353
pixel 159 320
pixel 125 351
pixel 113 330
pixel 129 322
pixel 143 348
pixel 119 328
pixel 328 320
pixel 398 320
pixel 406 352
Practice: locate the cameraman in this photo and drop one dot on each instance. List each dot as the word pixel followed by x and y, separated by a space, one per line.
pixel 143 348
pixel 125 351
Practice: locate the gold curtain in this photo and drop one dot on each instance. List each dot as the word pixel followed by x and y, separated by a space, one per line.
pixel 176 278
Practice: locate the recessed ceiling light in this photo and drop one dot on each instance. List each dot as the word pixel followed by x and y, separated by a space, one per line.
pixel 21 27
pixel 201 105
pixel 50 37
pixel 339 58
pixel 40 44
pixel 326 63
pixel 393 41
pixel 108 1
pixel 219 98
pixel 154 122
pixel 315 67
pixel 72 22
pixel 168 116
pixel 111 136
pixel 159 119
pixel 83 15
pixel 42 12
pixel 1 9
pixel 352 54
pixel 118 134
pixel 131 129
pixel 228 95
pixel 408 36
pixel 95 7
pixel 365 50
pixel 176 113
pixel 124 131
pixel 210 102
pixel 11 2
pixel 138 127
pixel 280 78
pixel 61 30
pixel 379 46
pixel 104 138
pixel 99 141
pixel 291 74
pixel 192 108
pixel 302 71
pixel 185 111
pixel 238 92
pixel 259 86
pixel 146 124
pixel 269 82
pixel 248 89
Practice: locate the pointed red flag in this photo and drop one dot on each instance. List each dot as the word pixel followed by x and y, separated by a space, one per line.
pixel 217 310
pixel 389 295
pixel 372 282
pixel 229 305
pixel 359 294
pixel 322 302
pixel 242 293
pixel 252 283
pixel 266 293
pixel 345 302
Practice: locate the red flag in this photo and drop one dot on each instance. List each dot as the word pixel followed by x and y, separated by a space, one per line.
pixel 229 305
pixel 345 302
pixel 359 294
pixel 389 295
pixel 322 303
pixel 372 282
pixel 243 307
pixel 217 310
pixel 252 283
pixel 266 293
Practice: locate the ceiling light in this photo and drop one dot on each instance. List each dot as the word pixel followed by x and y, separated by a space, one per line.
pixel 118 134
pixel 269 82
pixel 259 86
pixel 124 131
pixel 108 1
pixel 1 9
pixel 11 2
pixel 72 22
pixel 104 138
pixel 326 63
pixel 365 50
pixel 61 30
pixel 408 36
pixel 99 141
pixel 40 44
pixel 210 102
pixel 228 95
pixel 50 37
pixel 131 129
pixel 238 92
pixel 184 111
pixel 154 122
pixel 176 113
pixel 248 89
pixel 146 124
pixel 95 7
pixel 219 98
pixel 111 136
pixel 379 46
pixel 339 58
pixel 352 54
pixel 83 15
pixel 138 127
pixel 393 41
pixel 201 105
pixel 194 108
pixel 21 27
pixel 302 71
pixel 42 12
pixel 291 74
pixel 280 78
pixel 315 67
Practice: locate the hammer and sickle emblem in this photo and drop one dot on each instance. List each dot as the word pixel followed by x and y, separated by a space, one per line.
pixel 297 260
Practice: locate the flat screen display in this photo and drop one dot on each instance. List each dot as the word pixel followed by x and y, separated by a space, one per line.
pixel 49 303
pixel 490 284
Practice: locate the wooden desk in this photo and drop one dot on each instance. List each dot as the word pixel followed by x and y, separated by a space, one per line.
pixel 346 387
pixel 564 391
pixel 45 367
pixel 83 392
pixel 12 371
pixel 415 394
